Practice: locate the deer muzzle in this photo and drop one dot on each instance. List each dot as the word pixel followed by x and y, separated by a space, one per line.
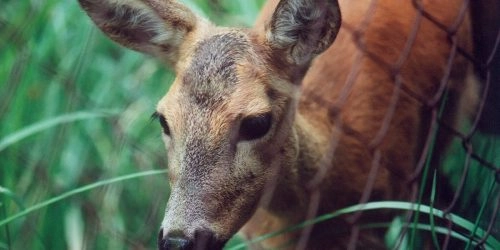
pixel 177 240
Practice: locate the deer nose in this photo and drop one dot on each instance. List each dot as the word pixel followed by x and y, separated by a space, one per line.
pixel 174 241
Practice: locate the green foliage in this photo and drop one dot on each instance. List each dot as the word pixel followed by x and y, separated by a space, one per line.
pixel 475 234
pixel 480 192
pixel 82 165
pixel 75 116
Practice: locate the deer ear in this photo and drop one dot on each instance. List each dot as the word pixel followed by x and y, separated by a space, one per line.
pixel 155 27
pixel 302 29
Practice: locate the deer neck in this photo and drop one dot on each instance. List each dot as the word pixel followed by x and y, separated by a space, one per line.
pixel 296 176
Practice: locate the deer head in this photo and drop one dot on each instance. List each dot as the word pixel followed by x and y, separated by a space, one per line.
pixel 228 118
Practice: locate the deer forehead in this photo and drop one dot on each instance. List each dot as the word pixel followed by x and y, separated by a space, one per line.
pixel 222 77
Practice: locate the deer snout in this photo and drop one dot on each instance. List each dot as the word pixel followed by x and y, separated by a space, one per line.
pixel 174 241
pixel 177 240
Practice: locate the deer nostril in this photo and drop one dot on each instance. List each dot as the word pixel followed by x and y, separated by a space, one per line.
pixel 174 241
pixel 160 239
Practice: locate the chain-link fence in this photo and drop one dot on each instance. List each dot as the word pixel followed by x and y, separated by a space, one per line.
pixel 54 63
pixel 457 171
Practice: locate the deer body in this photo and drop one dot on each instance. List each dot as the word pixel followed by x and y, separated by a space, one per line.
pixel 347 94
pixel 267 127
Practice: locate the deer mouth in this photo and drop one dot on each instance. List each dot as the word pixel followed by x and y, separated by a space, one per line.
pixel 177 240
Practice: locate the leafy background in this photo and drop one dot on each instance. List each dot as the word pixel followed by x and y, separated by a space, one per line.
pixel 90 101
pixel 75 111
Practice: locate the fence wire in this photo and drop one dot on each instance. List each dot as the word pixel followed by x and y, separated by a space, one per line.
pixel 471 168
pixel 475 170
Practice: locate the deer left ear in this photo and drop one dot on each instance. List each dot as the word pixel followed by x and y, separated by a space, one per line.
pixel 303 29
pixel 155 27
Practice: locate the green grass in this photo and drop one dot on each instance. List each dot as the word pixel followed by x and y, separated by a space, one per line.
pixel 82 165
pixel 75 113
pixel 476 234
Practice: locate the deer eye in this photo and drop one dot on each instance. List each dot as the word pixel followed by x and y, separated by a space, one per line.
pixel 254 127
pixel 162 121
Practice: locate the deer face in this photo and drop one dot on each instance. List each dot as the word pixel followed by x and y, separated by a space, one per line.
pixel 222 120
pixel 228 117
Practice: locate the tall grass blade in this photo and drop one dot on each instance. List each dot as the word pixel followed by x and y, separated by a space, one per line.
pixel 491 242
pixel 43 125
pixel 78 191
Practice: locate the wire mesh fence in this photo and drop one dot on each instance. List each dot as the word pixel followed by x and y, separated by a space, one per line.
pixel 468 160
pixel 456 171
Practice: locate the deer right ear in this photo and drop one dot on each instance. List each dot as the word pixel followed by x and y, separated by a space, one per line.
pixel 302 29
pixel 155 27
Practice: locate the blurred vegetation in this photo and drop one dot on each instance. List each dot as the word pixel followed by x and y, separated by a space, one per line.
pixel 75 110
pixel 84 105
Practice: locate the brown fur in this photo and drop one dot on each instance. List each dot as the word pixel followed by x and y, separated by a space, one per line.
pixel 359 103
pixel 355 119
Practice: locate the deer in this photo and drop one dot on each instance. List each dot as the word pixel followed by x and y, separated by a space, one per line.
pixel 298 116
